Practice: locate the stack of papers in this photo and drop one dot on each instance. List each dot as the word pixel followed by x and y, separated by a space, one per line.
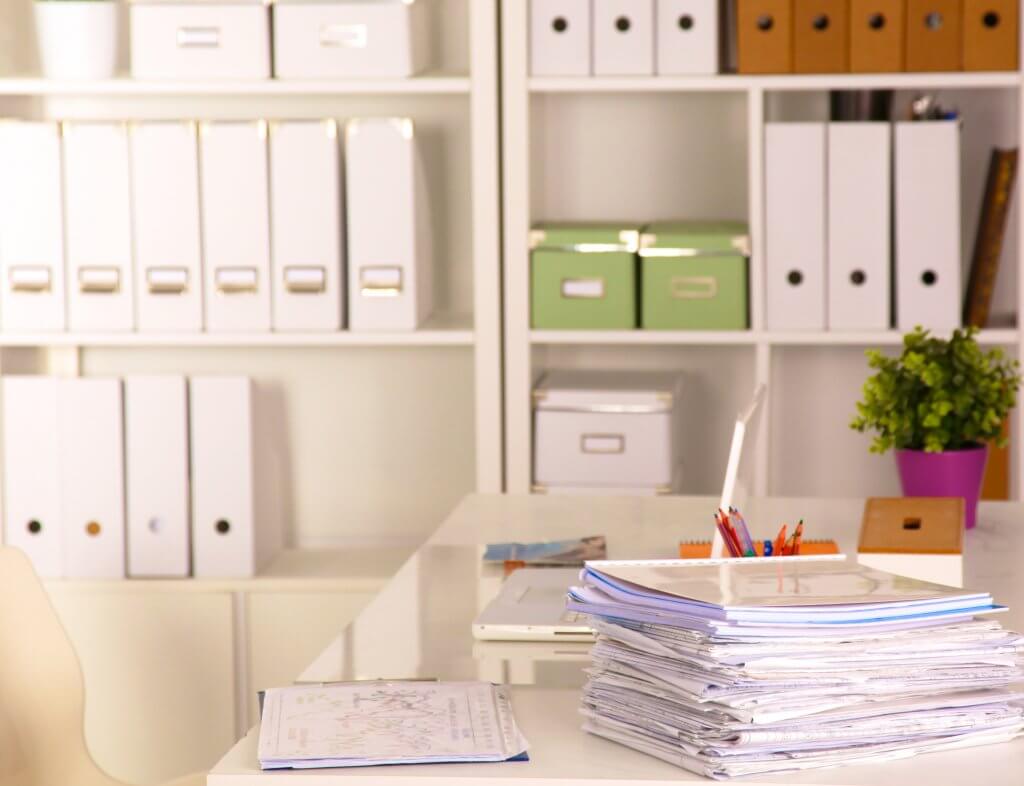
pixel 359 724
pixel 769 666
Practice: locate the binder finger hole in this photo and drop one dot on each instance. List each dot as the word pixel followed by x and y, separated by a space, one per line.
pixel 622 24
pixel 560 24
pixel 765 22
pixel 155 525
pixel 820 22
pixel 686 22
pixel 223 527
pixel 929 277
pixel 990 19
pixel 34 527
pixel 93 528
pixel 933 20
pixel 876 21
pixel 858 277
pixel 795 277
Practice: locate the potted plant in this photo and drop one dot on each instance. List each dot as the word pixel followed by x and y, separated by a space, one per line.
pixel 939 404
pixel 77 38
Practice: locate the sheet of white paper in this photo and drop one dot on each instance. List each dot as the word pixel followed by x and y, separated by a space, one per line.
pixel 366 723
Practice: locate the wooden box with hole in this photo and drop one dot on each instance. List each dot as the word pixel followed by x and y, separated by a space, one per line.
pixel 918 537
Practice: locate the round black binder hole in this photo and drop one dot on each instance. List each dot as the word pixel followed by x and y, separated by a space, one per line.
pixel 622 24
pixel 155 525
pixel 34 527
pixel 765 22
pixel 560 24
pixel 223 527
pixel 933 21
pixel 686 22
pixel 990 19
pixel 876 21
pixel 929 277
pixel 820 23
pixel 795 277
pixel 858 277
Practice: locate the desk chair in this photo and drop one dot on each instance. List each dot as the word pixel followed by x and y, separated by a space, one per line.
pixel 42 696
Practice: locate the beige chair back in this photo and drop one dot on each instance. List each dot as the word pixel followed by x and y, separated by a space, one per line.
pixel 42 698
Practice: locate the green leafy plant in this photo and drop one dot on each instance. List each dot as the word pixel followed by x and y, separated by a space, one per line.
pixel 938 394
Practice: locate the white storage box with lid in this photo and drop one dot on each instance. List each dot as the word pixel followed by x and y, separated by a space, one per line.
pixel 320 39
pixel 200 40
pixel 560 37
pixel 617 429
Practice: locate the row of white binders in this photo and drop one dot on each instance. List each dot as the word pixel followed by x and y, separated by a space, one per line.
pixel 624 37
pixel 833 193
pixel 151 477
pixel 219 226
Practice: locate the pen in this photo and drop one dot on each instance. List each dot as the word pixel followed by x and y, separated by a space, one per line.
pixel 740 527
pixel 768 548
pixel 797 536
pixel 725 537
pixel 733 537
pixel 780 541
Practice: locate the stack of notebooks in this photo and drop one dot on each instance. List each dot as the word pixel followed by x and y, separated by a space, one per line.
pixel 776 665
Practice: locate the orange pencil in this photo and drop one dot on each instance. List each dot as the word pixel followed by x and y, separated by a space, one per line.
pixel 797 536
pixel 780 542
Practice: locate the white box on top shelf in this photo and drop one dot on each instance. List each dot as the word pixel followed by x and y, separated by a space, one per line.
pixel 98 227
pixel 687 36
pixel 236 226
pixel 389 265
pixel 560 37
pixel 795 247
pixel 623 37
pixel 200 40
pixel 165 201
pixel 927 194
pixel 607 429
pixel 322 40
pixel 306 233
pixel 32 293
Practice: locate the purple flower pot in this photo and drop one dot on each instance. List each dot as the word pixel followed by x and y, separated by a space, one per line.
pixel 952 473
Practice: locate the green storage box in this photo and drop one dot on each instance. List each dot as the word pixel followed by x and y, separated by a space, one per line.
pixel 584 276
pixel 694 276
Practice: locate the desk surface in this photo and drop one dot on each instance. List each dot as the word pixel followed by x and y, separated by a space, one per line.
pixel 419 626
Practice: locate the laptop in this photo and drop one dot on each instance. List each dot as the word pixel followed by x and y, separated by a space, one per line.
pixel 531 607
pixel 531 604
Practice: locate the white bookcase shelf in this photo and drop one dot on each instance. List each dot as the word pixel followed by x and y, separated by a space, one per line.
pixel 989 337
pixel 642 149
pixel 429 83
pixel 738 82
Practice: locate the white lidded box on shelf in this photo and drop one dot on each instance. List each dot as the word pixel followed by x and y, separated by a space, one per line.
pixel 306 233
pixel 389 264
pixel 31 228
pixel 236 225
pixel 165 209
pixel 687 36
pixel 560 37
pixel 98 227
pixel 323 40
pixel 623 37
pixel 617 429
pixel 200 40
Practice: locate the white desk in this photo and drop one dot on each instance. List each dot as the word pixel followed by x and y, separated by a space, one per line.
pixel 419 626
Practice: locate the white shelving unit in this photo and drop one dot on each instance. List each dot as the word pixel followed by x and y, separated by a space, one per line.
pixel 695 150
pixel 381 432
